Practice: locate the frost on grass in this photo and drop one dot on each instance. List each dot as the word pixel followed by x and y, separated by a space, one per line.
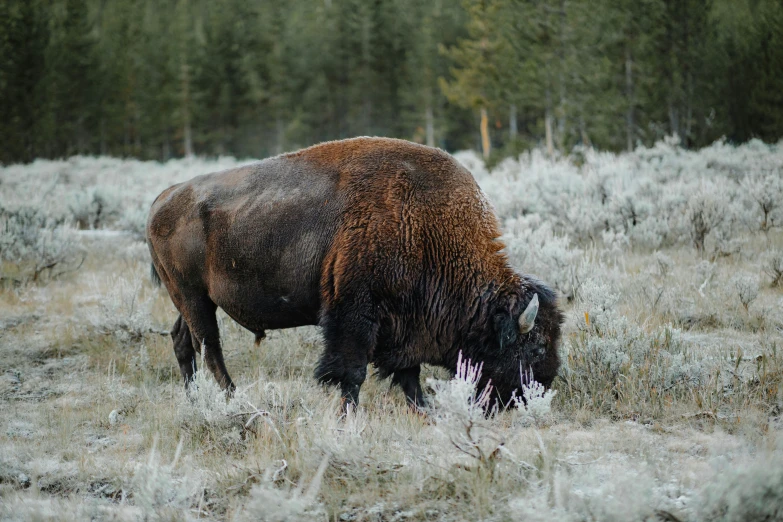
pixel 124 308
pixel 751 491
pixel 274 504
pixel 207 413
pixel 159 492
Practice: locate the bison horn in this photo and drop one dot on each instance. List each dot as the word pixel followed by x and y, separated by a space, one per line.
pixel 527 319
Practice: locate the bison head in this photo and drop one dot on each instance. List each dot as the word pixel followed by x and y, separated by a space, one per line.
pixel 524 339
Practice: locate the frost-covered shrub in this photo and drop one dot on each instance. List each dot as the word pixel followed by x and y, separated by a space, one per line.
pixel 747 288
pixel 773 267
pixel 752 491
pixel 706 211
pixel 765 195
pixel 274 504
pixel 613 363
pixel 124 308
pixel 134 220
pixel 159 493
pixel 663 264
pixel 95 207
pixel 33 246
pixel 533 247
pixel 206 402
pixel 535 403
pixel 459 411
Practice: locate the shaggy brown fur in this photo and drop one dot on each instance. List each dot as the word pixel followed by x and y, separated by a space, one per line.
pixel 390 246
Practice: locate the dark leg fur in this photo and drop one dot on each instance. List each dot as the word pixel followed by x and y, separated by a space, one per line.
pixel 408 380
pixel 206 335
pixel 350 342
pixel 183 349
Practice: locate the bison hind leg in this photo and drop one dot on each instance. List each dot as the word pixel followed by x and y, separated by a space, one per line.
pixel 408 380
pixel 183 349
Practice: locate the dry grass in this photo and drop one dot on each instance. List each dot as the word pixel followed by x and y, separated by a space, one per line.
pixel 669 380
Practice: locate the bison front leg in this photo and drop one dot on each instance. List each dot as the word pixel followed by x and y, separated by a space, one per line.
pixel 408 380
pixel 350 340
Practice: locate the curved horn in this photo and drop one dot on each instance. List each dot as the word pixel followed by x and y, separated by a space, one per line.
pixel 527 319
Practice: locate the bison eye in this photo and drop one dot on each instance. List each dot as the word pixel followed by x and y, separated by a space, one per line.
pixel 505 328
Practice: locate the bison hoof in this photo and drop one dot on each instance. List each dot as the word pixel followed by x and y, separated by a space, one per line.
pixel 350 393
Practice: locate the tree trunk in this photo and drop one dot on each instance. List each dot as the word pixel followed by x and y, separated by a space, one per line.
pixel 583 132
pixel 186 131
pixel 629 115
pixel 279 136
pixel 137 130
pixel 485 133
pixel 430 126
pixel 561 119
pixel 103 135
pixel 550 145
pixel 688 109
pixel 512 122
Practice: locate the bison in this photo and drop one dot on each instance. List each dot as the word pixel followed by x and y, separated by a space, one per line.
pixel 389 246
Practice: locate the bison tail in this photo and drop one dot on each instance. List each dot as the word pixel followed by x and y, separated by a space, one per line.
pixel 154 275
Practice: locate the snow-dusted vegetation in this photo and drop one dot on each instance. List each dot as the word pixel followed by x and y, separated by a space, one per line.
pixel 669 264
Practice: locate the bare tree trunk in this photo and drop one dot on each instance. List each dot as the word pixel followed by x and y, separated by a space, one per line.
pixel 688 108
pixel 279 136
pixel 485 133
pixel 561 120
pixel 674 119
pixel 512 122
pixel 165 151
pixel 550 145
pixel 137 129
pixel 629 115
pixel 583 132
pixel 186 131
pixel 430 126
pixel 366 61
pixel 103 135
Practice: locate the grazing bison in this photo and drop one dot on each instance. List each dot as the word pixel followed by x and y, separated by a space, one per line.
pixel 389 246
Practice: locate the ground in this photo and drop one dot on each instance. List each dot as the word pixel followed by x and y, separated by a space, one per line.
pixel 667 407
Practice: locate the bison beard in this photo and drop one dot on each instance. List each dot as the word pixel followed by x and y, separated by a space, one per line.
pixel 390 246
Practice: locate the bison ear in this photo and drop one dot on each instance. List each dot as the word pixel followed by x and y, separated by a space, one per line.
pixel 505 328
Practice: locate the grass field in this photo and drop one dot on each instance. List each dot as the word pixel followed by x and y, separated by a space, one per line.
pixel 669 264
